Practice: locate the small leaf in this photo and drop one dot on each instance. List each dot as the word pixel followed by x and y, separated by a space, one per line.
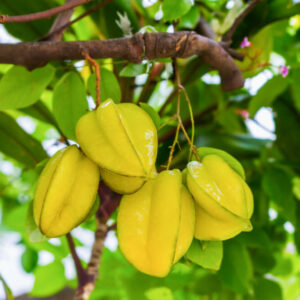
pixel 8 292
pixel 29 259
pixel 41 287
pixel 132 70
pixel 267 289
pixel 109 86
pixel 176 10
pixel 152 113
pixel 18 144
pixel 277 184
pixel 69 103
pixel 159 293
pixel 33 232
pixel 21 88
pixel 268 93
pixel 207 254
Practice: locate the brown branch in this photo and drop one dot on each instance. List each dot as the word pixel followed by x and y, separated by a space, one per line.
pixel 228 35
pixel 55 33
pixel 64 26
pixel 81 274
pixel 43 14
pixel 109 202
pixel 153 45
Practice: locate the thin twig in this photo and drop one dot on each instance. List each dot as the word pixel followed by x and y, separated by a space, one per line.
pixel 229 34
pixel 98 76
pixel 60 20
pixel 43 14
pixel 68 24
pixel 81 273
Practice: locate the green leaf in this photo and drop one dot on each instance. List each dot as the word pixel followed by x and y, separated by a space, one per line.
pixel 284 266
pixel 287 122
pixel 42 287
pixel 263 261
pixel 176 10
pixel 236 268
pixel 268 93
pixel 132 70
pixel 109 86
pixel 267 289
pixel 33 232
pixel 232 15
pixel 277 184
pixel 295 76
pixel 15 218
pixel 296 187
pixel 69 103
pixel 159 293
pixel 18 144
pixel 190 19
pixel 152 113
pixel 207 254
pixel 21 88
pixel 29 259
pixel 8 292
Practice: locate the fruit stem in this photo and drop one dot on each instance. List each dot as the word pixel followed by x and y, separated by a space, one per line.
pixel 193 149
pixel 98 76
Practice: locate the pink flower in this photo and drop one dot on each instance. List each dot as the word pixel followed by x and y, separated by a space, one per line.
pixel 245 43
pixel 243 113
pixel 284 70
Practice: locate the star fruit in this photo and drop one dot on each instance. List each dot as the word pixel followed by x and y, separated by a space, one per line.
pixel 122 140
pixel 66 192
pixel 156 224
pixel 224 201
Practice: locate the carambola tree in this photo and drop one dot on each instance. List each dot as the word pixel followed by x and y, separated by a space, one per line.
pixel 169 126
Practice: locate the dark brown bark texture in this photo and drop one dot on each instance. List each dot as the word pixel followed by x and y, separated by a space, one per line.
pixel 134 49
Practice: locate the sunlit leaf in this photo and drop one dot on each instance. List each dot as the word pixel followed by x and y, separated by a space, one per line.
pixel 21 88
pixel 207 254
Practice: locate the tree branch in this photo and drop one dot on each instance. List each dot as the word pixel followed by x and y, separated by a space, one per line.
pixel 65 25
pixel 133 49
pixel 55 33
pixel 109 202
pixel 43 14
pixel 79 268
pixel 228 35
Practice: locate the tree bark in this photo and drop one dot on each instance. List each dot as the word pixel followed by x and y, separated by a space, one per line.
pixel 133 49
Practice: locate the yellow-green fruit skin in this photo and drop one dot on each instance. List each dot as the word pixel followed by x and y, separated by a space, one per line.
pixel 149 224
pixel 224 202
pixel 66 192
pixel 122 140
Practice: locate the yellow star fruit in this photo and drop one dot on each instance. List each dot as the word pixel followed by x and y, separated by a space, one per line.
pixel 66 192
pixel 156 224
pixel 224 202
pixel 122 140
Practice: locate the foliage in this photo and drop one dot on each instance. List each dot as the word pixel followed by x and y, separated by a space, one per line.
pixel 262 264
